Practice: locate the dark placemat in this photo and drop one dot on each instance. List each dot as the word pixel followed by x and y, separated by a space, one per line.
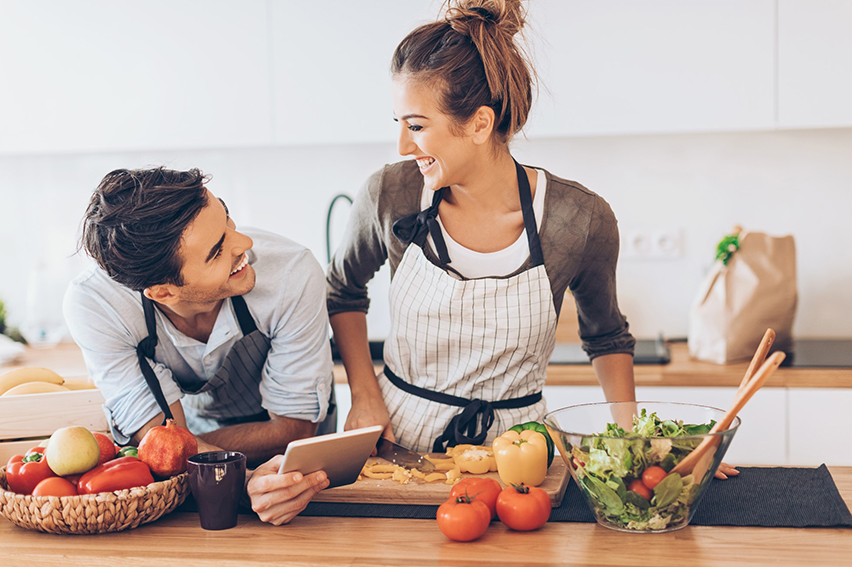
pixel 767 497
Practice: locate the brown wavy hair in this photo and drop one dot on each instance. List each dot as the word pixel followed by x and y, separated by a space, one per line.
pixel 135 221
pixel 472 59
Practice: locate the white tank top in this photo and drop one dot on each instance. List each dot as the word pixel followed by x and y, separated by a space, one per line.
pixel 472 264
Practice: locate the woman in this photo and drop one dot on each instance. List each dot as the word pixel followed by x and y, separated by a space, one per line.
pixel 481 249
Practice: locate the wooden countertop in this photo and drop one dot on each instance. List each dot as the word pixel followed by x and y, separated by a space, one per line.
pixel 178 538
pixel 67 360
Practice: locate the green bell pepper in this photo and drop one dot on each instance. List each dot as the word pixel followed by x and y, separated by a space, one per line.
pixel 128 452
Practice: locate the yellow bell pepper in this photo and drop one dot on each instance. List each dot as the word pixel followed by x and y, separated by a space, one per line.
pixel 521 457
pixel 474 459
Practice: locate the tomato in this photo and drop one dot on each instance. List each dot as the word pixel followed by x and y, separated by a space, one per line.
pixel 639 488
pixel 55 486
pixel 523 508
pixel 652 477
pixel 483 489
pixel 463 519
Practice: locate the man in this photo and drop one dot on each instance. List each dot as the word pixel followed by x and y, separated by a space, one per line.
pixel 186 317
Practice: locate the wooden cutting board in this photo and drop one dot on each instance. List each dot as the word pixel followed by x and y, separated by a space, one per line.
pixel 387 491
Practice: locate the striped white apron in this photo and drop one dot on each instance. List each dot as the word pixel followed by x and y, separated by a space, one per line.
pixel 465 359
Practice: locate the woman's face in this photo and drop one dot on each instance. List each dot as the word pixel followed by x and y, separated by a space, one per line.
pixel 444 154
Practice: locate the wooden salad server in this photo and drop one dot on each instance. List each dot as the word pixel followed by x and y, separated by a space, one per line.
pixel 698 461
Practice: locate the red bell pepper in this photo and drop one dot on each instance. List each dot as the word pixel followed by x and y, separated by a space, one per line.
pixel 24 472
pixel 117 474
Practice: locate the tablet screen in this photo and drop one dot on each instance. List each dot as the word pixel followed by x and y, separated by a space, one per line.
pixel 340 455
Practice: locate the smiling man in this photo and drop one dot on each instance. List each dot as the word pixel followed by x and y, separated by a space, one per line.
pixel 186 317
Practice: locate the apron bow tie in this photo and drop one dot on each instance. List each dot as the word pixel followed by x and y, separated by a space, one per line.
pixel 416 227
pixel 462 429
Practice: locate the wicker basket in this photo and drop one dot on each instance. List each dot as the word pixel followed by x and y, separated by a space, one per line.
pixel 93 513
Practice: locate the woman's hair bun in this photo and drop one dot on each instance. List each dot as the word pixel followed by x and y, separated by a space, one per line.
pixel 468 16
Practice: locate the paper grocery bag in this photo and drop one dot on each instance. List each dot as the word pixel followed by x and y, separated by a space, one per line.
pixel 738 301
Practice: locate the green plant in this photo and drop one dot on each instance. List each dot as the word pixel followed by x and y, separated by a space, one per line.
pixel 11 332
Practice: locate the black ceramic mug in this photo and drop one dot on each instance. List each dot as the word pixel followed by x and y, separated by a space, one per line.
pixel 217 481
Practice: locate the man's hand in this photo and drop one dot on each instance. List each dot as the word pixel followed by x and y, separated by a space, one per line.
pixel 278 498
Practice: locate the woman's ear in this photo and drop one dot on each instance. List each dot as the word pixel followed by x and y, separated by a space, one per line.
pixel 482 125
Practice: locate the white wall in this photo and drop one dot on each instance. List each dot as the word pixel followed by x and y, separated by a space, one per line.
pixel 282 103
pixel 795 182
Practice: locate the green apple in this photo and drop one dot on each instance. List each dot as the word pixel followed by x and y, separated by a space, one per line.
pixel 72 450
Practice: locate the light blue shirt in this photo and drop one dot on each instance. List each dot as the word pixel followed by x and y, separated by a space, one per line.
pixel 288 304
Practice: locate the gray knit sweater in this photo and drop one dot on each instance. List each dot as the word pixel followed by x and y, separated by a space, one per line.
pixel 579 241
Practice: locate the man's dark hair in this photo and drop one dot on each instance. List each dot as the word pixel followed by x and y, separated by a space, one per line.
pixel 135 220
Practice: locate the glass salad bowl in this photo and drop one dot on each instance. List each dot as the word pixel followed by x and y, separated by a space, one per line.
pixel 624 456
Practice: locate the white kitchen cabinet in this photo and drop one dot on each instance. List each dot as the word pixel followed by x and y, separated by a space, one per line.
pixel 94 75
pixel 819 426
pixel 760 440
pixel 331 68
pixel 621 67
pixel 814 63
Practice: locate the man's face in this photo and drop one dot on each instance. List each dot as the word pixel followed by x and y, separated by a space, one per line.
pixel 215 265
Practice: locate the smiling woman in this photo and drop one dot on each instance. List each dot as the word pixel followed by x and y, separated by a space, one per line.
pixel 481 248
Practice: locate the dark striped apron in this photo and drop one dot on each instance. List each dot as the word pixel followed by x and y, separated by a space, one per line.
pixel 232 395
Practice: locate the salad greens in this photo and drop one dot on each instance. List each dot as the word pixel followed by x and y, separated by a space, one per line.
pixel 609 464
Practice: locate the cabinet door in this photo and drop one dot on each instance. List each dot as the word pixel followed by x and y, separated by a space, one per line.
pixel 95 75
pixel 814 63
pixel 819 421
pixel 331 68
pixel 654 66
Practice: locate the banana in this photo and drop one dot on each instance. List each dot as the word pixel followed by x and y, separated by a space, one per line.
pixel 79 385
pixel 34 388
pixel 26 374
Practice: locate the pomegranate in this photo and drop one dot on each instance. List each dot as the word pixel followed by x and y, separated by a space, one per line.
pixel 165 448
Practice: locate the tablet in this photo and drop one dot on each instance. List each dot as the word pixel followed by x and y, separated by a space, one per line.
pixel 340 455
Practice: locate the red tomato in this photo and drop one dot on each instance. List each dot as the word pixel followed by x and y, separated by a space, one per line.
pixel 107 447
pixel 639 488
pixel 463 519
pixel 55 486
pixel 523 508
pixel 483 489
pixel 652 476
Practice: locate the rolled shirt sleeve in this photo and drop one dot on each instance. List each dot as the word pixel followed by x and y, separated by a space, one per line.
pixel 290 307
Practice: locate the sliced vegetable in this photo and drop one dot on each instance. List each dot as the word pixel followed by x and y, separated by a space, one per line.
pixel 521 457
pixel 475 459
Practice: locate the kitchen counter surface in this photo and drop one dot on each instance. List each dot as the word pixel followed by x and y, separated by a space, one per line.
pixel 177 538
pixel 67 360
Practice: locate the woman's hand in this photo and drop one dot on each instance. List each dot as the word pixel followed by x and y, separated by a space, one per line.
pixel 725 470
pixel 367 411
pixel 278 498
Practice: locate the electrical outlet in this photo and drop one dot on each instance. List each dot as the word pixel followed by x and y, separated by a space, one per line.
pixel 658 244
